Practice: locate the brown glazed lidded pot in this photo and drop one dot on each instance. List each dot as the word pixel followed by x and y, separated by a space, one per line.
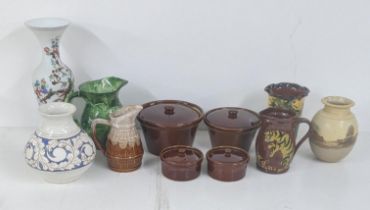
pixel 181 163
pixel 169 122
pixel 232 126
pixel 227 163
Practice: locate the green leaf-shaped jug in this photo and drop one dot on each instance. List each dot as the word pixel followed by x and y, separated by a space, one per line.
pixel 101 97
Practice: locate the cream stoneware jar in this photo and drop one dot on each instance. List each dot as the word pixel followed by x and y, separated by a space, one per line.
pixel 334 129
pixel 59 150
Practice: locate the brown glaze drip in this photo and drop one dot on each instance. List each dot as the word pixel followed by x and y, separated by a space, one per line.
pixel 129 151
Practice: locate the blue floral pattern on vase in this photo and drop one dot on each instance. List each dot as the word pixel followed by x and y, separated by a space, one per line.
pixel 59 154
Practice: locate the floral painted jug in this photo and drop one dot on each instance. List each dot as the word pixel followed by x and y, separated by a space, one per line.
pixel 101 97
pixel 123 148
pixel 52 79
pixel 276 145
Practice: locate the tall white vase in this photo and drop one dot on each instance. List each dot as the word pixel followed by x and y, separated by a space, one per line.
pixel 52 79
pixel 59 150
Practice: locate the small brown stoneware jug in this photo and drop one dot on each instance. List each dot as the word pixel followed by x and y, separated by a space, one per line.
pixel 123 149
pixel 276 145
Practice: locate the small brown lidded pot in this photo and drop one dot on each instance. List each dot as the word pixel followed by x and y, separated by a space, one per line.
pixel 169 122
pixel 227 163
pixel 232 126
pixel 181 163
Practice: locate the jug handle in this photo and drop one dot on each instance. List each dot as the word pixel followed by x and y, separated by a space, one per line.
pixel 93 128
pixel 298 121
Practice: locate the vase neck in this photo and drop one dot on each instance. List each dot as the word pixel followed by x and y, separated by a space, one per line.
pixel 49 40
pixel 336 110
pixel 57 127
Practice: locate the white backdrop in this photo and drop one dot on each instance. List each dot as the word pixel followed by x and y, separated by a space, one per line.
pixel 210 52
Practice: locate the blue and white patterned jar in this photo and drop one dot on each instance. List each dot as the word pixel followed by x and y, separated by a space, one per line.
pixel 59 149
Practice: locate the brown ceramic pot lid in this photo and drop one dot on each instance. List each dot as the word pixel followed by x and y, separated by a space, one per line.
pixel 232 118
pixel 181 155
pixel 227 155
pixel 170 113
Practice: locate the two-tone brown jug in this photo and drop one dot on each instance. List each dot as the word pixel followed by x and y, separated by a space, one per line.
pixel 276 144
pixel 123 149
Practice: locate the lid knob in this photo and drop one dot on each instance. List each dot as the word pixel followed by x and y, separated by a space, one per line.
pixel 233 114
pixel 169 110
pixel 182 152
pixel 227 152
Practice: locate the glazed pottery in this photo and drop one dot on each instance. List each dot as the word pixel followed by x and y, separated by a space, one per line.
pixel 227 163
pixel 289 96
pixel 101 97
pixel 59 150
pixel 123 149
pixel 52 79
pixel 276 145
pixel 232 126
pixel 181 163
pixel 169 122
pixel 334 129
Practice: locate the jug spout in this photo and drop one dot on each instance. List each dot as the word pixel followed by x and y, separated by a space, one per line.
pixel 126 115
pixel 112 83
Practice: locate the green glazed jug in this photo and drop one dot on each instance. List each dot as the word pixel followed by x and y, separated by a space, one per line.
pixel 101 97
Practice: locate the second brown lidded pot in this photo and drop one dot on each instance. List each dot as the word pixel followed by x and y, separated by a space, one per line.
pixel 181 163
pixel 169 122
pixel 232 126
pixel 227 163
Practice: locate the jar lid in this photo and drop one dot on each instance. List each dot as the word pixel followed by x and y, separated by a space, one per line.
pixel 181 155
pixel 170 113
pixel 232 118
pixel 226 155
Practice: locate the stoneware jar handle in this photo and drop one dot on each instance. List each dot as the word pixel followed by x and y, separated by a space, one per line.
pixel 303 120
pixel 93 128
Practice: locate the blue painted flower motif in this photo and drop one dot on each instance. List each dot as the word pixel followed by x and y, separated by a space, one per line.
pixel 59 154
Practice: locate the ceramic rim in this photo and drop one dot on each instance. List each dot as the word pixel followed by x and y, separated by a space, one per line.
pixel 338 102
pixel 240 162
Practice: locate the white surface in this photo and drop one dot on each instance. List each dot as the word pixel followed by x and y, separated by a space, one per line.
pixel 210 52
pixel 309 184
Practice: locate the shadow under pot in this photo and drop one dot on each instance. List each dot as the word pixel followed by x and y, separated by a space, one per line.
pixel 181 163
pixel 169 122
pixel 232 126
pixel 226 163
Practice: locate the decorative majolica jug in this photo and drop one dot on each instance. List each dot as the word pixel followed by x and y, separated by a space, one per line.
pixel 334 129
pixel 276 141
pixel 289 96
pixel 52 79
pixel 59 150
pixel 101 97
pixel 123 149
